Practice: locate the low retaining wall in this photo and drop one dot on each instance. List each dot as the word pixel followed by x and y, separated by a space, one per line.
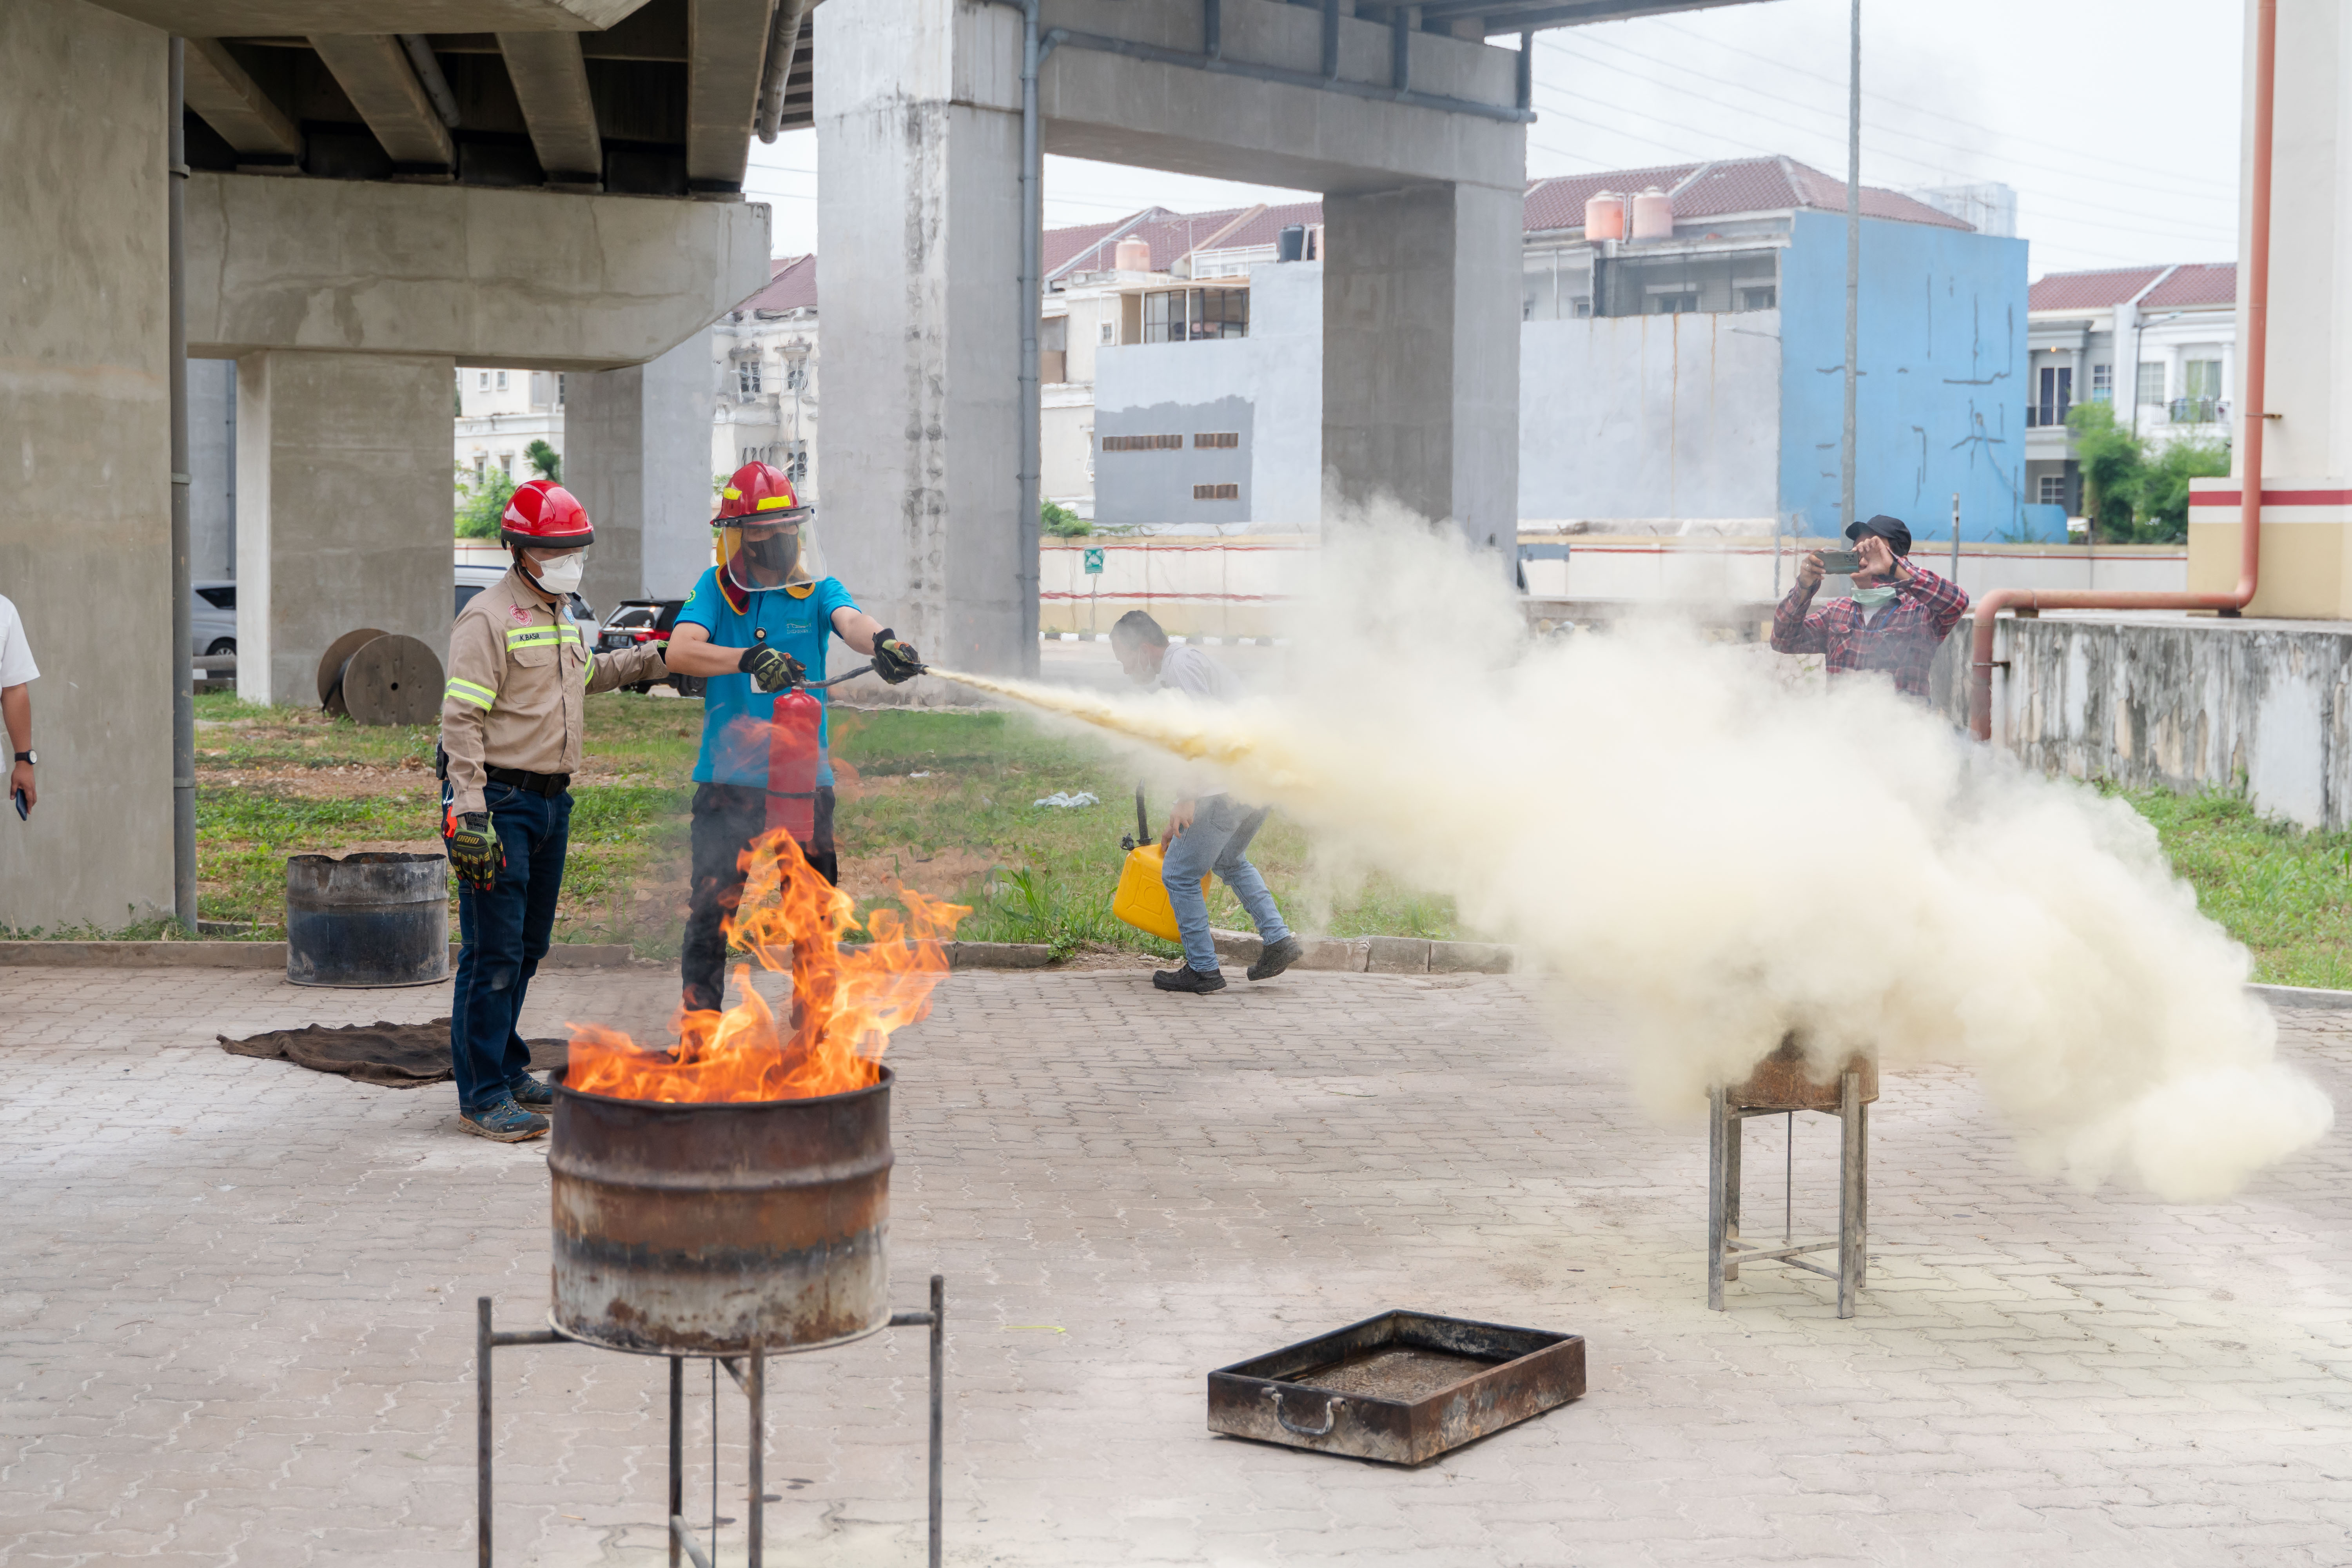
pixel 2186 702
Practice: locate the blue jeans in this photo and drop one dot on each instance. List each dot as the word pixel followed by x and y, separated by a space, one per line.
pixel 1218 841
pixel 506 929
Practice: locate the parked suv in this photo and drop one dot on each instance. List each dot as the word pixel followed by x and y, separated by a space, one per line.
pixel 636 622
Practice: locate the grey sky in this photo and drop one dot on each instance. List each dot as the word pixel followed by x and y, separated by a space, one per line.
pixel 2117 124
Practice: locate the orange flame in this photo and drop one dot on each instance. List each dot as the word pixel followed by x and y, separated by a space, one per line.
pixel 844 1004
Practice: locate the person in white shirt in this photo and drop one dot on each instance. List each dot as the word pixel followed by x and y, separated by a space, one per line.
pixel 17 671
pixel 1205 832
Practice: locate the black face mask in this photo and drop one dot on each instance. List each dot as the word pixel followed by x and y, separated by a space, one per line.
pixel 779 552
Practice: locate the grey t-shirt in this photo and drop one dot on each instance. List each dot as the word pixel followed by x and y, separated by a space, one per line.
pixel 1187 670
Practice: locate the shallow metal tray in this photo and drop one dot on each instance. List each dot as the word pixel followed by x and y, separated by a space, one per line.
pixel 1401 1387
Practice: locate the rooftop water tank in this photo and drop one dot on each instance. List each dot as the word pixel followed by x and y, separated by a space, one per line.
pixel 1605 217
pixel 1653 215
pixel 1132 255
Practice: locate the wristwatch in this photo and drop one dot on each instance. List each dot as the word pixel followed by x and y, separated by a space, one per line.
pixel 32 757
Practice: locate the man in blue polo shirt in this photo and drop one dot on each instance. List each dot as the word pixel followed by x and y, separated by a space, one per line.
pixel 756 624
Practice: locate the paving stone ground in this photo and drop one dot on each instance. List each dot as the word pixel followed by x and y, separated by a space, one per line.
pixel 236 1316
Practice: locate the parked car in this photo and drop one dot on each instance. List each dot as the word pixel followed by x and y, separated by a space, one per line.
pixel 472 580
pixel 636 622
pixel 212 619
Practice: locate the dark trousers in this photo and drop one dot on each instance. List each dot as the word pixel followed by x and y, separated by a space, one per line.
pixel 506 929
pixel 727 818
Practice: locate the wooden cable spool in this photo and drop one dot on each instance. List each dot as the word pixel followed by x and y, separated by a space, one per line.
pixel 331 667
pixel 393 679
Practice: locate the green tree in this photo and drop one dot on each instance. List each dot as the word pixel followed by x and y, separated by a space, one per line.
pixel 2113 461
pixel 1061 522
pixel 2164 487
pixel 481 504
pixel 545 461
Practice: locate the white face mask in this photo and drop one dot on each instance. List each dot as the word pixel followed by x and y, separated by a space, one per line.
pixel 561 576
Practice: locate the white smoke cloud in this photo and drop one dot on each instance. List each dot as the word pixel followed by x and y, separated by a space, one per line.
pixel 1668 826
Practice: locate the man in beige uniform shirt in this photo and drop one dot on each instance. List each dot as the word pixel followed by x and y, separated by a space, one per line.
pixel 511 720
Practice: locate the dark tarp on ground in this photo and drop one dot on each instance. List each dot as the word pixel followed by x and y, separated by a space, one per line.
pixel 399 1056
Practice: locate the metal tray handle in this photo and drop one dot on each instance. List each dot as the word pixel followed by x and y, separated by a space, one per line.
pixel 1331 1402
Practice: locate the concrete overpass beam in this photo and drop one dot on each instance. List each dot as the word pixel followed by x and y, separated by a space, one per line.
pixel 344 507
pixel 919 127
pixel 373 72
pixel 551 82
pixel 637 451
pixel 266 140
pixel 727 51
pixel 1421 357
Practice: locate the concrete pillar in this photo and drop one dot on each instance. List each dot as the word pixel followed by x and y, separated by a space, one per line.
pixel 918 127
pixel 85 538
pixel 2307 457
pixel 212 468
pixel 1420 355
pixel 344 509
pixel 637 451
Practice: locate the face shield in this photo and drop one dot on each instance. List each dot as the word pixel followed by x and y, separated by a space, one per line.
pixel 788 553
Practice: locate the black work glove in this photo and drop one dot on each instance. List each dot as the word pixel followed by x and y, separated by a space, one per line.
pixel 475 853
pixel 771 670
pixel 894 662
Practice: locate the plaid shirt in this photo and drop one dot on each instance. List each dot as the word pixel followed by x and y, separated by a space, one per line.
pixel 1901 641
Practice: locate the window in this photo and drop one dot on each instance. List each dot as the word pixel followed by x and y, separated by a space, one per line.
pixel 1580 306
pixel 796 373
pixel 560 379
pixel 1709 280
pixel 1761 299
pixel 1216 493
pixel 2151 381
pixel 1216 439
pixel 502 380
pixel 2102 383
pixel 2054 396
pixel 506 464
pixel 482 381
pixel 796 463
pixel 1555 284
pixel 1196 315
pixel 2054 489
pixel 1671 304
pixel 481 467
pixel 1143 443
pixel 747 378
pixel 1111 332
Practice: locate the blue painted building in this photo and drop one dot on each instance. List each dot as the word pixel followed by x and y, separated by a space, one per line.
pixel 1688 376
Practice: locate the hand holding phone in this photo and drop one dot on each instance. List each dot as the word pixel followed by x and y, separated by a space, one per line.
pixel 1842 562
pixel 23 811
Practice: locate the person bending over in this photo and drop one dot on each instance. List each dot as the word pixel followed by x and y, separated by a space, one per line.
pixel 1206 832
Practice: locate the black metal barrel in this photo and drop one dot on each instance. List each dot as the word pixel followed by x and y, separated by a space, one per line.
pixel 714 1229
pixel 379 917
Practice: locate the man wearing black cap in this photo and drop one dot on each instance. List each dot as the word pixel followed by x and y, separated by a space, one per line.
pixel 1898 614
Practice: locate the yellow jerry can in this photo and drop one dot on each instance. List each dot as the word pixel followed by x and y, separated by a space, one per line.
pixel 1142 898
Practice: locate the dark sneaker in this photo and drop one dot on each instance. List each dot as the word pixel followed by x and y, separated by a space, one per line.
pixel 1185 977
pixel 1277 958
pixel 503 1121
pixel 532 1094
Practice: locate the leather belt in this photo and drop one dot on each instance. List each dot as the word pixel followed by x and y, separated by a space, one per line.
pixel 548 785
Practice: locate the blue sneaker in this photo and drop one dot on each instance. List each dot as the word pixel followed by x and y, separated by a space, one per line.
pixel 503 1121
pixel 532 1094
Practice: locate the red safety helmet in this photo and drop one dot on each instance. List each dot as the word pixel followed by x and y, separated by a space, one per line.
pixel 757 493
pixel 542 515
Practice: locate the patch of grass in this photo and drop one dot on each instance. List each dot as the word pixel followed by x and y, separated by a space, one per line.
pixel 2284 891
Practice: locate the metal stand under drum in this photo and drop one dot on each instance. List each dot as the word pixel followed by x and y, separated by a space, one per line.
pixel 750 1374
pixel 1778 1087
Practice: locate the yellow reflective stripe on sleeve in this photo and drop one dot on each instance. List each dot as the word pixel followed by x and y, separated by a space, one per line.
pixel 588 670
pixel 467 691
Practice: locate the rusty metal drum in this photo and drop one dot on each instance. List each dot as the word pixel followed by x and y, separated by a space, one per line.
pixel 716 1229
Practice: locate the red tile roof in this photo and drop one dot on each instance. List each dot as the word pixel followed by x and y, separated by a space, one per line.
pixel 1066 246
pixel 2090 291
pixel 1721 189
pixel 2199 283
pixel 1267 226
pixel 791 285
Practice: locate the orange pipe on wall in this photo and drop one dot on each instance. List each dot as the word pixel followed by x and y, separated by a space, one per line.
pixel 2257 348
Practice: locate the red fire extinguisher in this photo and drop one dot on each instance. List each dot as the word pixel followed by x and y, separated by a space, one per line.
pixel 793 764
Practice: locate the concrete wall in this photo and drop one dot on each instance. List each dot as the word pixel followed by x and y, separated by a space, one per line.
pixel 212 468
pixel 1650 417
pixel 1942 405
pixel 344 507
pixel 637 456
pixel 509 278
pixel 1286 461
pixel 85 538
pixel 2185 703
pixel 1243 585
pixel 1157 486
